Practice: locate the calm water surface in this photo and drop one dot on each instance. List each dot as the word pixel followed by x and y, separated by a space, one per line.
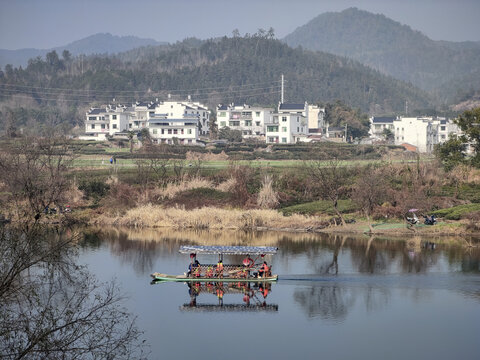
pixel 336 298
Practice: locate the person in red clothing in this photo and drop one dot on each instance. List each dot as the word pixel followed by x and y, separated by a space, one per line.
pixel 264 270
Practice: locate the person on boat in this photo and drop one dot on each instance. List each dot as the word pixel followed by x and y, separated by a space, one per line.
pixel 209 271
pixel 264 270
pixel 196 268
pixel 219 269
pixel 248 262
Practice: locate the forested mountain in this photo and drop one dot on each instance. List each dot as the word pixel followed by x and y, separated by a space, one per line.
pixel 392 48
pixel 225 70
pixel 103 43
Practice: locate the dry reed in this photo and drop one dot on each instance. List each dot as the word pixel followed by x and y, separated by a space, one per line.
pixel 187 183
pixel 208 218
pixel 267 197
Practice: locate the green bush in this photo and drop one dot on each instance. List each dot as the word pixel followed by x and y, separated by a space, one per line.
pixel 457 212
pixel 319 207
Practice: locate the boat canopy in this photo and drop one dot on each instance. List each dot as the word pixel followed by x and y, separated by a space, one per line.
pixel 228 250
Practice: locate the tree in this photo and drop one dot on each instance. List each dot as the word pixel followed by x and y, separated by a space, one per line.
pixel 451 153
pixel 330 180
pixel 33 172
pixel 66 55
pixel 50 307
pixel 230 135
pixel 469 123
pixel 389 136
pixel 369 191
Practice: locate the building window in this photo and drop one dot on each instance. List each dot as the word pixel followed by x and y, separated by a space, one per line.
pixel 163 131
pixel 93 126
pixel 114 126
pixel 189 131
pixel 114 117
pixel 92 118
pixel 155 131
pixel 298 129
pixel 284 140
pixel 442 128
pixel 257 123
pixel 248 122
pixel 284 118
pixel 103 126
pixel 169 131
pixel 223 123
pixel 222 114
pixel 234 123
pixel 181 131
pixel 272 128
pixel 257 113
pixel 129 126
pixel 284 129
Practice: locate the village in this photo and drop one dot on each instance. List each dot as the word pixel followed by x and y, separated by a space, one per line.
pixel 188 123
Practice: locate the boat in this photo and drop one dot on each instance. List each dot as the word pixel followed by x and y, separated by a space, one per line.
pixel 228 272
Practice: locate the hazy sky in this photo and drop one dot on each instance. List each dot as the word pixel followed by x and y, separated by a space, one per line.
pixel 48 23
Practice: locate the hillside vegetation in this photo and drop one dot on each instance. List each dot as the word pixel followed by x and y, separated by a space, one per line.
pixel 238 69
pixel 393 49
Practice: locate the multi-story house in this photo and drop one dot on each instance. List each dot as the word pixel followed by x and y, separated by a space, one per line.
pixel 169 130
pixel 289 125
pixel 140 112
pixel 180 109
pixel 378 125
pixel 101 122
pixel 316 119
pixel 446 128
pixel 248 119
pixel 420 132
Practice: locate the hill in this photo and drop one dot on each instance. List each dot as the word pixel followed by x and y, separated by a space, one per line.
pixel 102 43
pixel 390 47
pixel 240 70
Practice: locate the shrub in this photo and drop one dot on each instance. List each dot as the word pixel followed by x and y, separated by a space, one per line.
pixel 457 212
pixel 267 197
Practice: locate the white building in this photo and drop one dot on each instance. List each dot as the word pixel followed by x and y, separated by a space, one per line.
pixel 250 120
pixel 316 119
pixel 180 109
pixel 168 130
pixel 140 112
pixel 421 132
pixel 379 124
pixel 289 125
pixel 101 122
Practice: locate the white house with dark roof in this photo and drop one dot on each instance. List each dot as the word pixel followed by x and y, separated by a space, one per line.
pixel 101 122
pixel 170 130
pixel 421 132
pixel 250 120
pixel 186 109
pixel 288 125
pixel 378 124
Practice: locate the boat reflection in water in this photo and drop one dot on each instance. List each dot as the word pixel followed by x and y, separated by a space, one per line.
pixel 251 296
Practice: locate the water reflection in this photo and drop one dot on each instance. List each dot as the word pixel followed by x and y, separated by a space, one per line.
pixel 238 296
pixel 309 253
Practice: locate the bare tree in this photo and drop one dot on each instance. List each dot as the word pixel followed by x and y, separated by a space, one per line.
pixel 329 180
pixel 33 171
pixel 369 191
pixel 49 306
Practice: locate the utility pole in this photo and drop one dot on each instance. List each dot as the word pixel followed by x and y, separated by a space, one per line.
pixel 281 98
pixel 346 126
pixel 406 107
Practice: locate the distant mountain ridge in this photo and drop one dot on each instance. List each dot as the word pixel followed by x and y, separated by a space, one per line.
pixel 101 43
pixel 390 47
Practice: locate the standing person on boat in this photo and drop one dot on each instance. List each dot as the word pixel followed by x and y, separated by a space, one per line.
pixel 196 268
pixel 219 269
pixel 264 270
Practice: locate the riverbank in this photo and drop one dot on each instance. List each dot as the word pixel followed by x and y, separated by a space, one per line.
pixel 210 218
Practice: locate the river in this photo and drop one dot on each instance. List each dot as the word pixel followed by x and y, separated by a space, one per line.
pixel 337 297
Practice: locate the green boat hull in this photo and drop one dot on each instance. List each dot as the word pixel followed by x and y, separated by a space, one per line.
pixel 183 278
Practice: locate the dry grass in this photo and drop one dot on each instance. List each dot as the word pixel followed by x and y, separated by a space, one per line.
pixel 227 185
pixel 267 197
pixel 208 218
pixel 187 183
